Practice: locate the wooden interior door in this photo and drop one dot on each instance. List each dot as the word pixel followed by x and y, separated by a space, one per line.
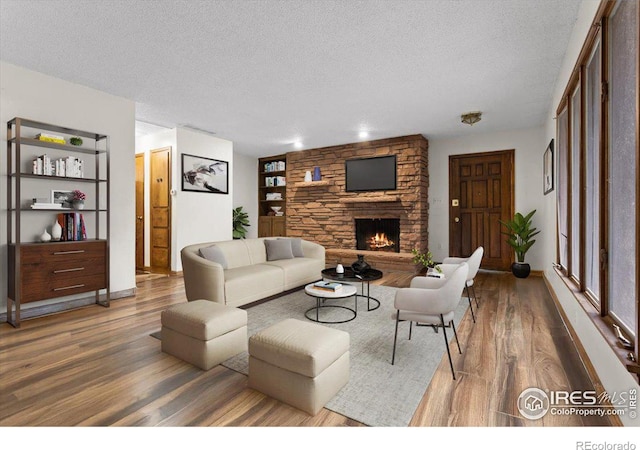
pixel 140 211
pixel 481 191
pixel 160 203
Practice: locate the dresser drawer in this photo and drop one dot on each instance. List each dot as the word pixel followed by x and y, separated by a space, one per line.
pixel 62 251
pixel 59 287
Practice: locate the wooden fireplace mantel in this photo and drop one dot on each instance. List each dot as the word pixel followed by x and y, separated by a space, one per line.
pixel 377 199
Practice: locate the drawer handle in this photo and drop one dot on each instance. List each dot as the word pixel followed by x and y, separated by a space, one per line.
pixel 68 252
pixel 75 269
pixel 69 287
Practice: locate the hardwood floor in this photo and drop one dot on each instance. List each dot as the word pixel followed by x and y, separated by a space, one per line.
pixel 97 367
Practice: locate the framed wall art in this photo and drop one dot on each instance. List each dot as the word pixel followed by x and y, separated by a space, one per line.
pixel 200 174
pixel 547 164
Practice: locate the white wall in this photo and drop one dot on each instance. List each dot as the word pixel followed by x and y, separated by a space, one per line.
pixel 32 95
pixel 529 148
pixel 198 216
pixel 245 189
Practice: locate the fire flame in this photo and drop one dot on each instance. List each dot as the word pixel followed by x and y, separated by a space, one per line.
pixel 379 241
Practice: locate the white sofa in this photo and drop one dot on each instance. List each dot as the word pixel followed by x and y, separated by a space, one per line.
pixel 248 275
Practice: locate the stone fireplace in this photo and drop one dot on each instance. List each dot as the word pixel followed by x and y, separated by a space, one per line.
pixel 326 213
pixel 378 235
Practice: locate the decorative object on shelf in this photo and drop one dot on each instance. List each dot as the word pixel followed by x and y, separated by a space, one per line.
pixel 519 235
pixel 45 237
pixel 471 118
pixel 276 210
pixel 307 176
pixel 77 199
pixel 64 198
pixel 240 221
pixel 547 163
pixel 339 268
pixel 200 174
pixel 75 141
pixel 48 137
pixel 56 231
pixel 317 176
pixel 360 266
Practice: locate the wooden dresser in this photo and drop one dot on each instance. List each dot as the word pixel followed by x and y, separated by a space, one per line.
pixel 57 269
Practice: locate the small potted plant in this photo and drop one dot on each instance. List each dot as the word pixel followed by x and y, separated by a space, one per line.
pixel 240 221
pixel 425 260
pixel 75 141
pixel 520 232
pixel 77 199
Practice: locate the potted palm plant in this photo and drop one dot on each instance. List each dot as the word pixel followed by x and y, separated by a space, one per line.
pixel 240 221
pixel 520 234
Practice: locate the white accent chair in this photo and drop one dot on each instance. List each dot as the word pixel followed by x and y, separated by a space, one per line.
pixel 431 301
pixel 474 265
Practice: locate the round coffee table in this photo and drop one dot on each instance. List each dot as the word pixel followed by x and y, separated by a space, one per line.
pixel 321 295
pixel 350 276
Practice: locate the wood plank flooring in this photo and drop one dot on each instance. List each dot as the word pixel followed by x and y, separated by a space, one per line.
pixel 99 367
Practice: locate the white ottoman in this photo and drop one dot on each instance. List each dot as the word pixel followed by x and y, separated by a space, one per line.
pixel 203 333
pixel 299 363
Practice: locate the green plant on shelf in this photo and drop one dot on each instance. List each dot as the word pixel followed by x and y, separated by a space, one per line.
pixel 75 141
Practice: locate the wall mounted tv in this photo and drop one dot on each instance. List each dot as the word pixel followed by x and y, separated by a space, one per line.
pixel 371 174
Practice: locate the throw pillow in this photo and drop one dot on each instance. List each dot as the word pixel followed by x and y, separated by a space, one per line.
pixel 296 247
pixel 213 253
pixel 278 249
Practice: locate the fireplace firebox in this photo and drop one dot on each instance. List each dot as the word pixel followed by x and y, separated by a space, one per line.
pixel 381 235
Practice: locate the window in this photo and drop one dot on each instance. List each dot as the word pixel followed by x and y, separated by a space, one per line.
pixel 623 142
pixel 598 153
pixel 592 179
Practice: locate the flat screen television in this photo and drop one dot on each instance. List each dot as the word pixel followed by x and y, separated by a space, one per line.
pixel 371 174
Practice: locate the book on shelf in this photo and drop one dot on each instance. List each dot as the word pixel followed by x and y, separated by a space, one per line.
pixel 48 139
pixel 50 136
pixel 330 286
pixel 39 205
pixel 73 228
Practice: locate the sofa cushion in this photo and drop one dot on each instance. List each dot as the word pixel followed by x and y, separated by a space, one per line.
pixel 213 253
pixel 278 249
pixel 299 271
pixel 235 252
pixel 250 283
pixel 296 247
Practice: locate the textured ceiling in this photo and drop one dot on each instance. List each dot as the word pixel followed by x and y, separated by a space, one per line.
pixel 267 73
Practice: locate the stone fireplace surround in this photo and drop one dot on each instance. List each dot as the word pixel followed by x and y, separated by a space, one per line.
pixel 325 213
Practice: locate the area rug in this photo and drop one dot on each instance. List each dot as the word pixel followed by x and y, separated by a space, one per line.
pixel 378 393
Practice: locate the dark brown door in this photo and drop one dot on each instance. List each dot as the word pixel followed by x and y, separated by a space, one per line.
pixel 160 193
pixel 480 193
pixel 140 211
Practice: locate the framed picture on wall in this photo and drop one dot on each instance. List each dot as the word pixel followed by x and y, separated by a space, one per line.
pixel 200 174
pixel 547 164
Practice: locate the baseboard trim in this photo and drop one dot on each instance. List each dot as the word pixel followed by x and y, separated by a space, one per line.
pixel 44 310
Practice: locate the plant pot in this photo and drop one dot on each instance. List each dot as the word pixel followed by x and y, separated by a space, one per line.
pixel 520 270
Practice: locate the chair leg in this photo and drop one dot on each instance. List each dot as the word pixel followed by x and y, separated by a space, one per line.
pixel 395 338
pixel 475 297
pixel 466 288
pixel 410 329
pixel 456 335
pixel 446 344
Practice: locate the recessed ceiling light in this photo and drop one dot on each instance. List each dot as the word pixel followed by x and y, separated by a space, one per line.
pixel 297 144
pixel 363 134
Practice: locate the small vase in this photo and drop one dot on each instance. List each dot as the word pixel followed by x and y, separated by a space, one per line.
pixel 56 231
pixel 45 237
pixel 339 269
pixel 360 266
pixel 307 176
pixel 316 174
pixel 78 204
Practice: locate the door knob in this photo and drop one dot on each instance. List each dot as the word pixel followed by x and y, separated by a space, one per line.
pixel 456 220
pixel 139 217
